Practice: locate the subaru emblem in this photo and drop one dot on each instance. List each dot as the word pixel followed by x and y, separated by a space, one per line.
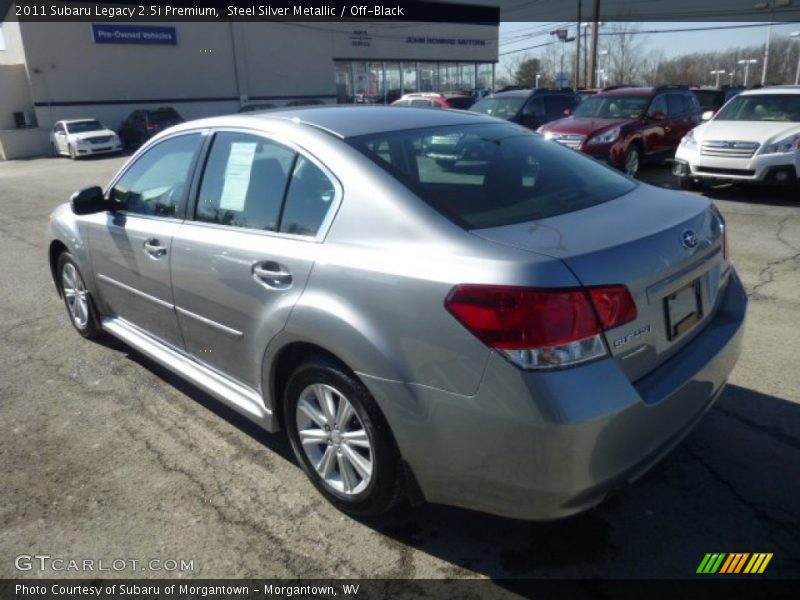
pixel 689 239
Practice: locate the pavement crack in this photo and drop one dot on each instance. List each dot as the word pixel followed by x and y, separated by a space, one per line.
pixel 771 523
pixel 768 430
pixel 767 274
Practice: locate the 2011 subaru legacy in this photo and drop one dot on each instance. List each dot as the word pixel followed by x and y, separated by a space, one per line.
pixel 517 332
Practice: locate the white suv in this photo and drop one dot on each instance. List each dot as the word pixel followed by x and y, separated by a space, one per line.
pixel 754 138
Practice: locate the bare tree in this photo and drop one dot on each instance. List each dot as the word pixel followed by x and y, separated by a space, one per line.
pixel 625 59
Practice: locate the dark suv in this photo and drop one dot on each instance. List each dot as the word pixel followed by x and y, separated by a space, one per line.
pixel 625 125
pixel 531 108
pixel 141 125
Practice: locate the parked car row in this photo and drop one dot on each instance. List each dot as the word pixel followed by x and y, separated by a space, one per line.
pixel 87 137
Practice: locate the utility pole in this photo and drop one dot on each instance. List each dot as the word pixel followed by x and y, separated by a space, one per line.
pixel 577 78
pixel 595 31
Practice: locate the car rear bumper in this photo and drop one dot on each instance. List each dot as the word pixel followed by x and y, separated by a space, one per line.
pixel 543 446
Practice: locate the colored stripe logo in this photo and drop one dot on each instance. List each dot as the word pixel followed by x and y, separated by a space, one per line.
pixel 734 563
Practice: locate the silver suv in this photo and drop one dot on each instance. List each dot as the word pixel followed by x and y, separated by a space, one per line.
pixel 517 331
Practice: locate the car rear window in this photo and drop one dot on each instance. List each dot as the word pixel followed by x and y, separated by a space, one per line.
pixel 490 175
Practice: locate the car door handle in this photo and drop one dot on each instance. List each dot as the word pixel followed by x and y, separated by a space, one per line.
pixel 273 275
pixel 154 248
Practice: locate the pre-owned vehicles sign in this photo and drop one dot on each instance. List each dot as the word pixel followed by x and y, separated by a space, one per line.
pixel 133 34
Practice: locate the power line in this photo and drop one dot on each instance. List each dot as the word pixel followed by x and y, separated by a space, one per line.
pixel 649 32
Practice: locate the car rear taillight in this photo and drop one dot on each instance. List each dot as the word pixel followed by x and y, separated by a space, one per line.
pixel 542 328
pixel 726 249
pixel 150 126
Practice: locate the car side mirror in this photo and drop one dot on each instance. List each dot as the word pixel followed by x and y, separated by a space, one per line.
pixel 657 116
pixel 567 112
pixel 88 201
pixel 708 115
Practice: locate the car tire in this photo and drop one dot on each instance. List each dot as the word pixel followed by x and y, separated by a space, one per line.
pixel 80 307
pixel 632 162
pixel 73 154
pixel 690 184
pixel 349 452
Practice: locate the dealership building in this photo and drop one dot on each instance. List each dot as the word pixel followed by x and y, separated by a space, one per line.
pixel 106 70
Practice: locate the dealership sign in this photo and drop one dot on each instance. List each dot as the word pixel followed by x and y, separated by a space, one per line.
pixel 133 34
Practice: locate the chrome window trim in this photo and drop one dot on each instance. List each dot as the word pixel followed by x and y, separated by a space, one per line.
pixel 282 140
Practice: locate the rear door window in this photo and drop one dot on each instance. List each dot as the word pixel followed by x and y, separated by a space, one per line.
pixel 557 104
pixel 675 105
pixel 244 181
pixel 310 197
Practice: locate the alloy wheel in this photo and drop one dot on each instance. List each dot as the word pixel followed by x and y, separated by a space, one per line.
pixel 334 439
pixel 632 163
pixel 75 294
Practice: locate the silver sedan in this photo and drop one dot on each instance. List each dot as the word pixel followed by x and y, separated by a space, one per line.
pixel 517 330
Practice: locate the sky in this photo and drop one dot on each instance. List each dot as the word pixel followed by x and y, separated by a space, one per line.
pixel 673 44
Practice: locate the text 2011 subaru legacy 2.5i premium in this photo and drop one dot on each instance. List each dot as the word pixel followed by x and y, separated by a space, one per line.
pixel 517 333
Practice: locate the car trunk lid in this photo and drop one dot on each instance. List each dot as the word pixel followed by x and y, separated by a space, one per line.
pixel 664 246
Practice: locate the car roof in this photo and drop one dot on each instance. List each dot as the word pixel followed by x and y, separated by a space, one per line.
pixel 775 89
pixel 347 121
pixel 529 92
pixel 629 91
pixel 67 121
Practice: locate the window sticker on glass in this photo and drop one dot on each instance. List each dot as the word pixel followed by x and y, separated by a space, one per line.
pixel 237 176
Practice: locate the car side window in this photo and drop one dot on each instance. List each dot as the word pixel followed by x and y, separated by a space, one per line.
pixel 244 181
pixel 675 105
pixel 557 104
pixel 308 200
pixel 659 105
pixel 155 183
pixel 534 108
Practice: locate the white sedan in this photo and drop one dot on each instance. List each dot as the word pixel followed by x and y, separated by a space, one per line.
pixel 83 137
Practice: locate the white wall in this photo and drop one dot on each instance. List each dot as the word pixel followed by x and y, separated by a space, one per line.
pixel 14 94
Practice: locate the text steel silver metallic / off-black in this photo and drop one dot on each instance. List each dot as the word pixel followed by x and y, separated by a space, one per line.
pixel 517 330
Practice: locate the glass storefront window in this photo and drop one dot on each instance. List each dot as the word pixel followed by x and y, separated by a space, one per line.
pixel 409 78
pixel 427 77
pixel 392 87
pixel 485 76
pixel 344 82
pixel 467 79
pixel 375 88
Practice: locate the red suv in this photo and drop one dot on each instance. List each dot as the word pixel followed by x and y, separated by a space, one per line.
pixel 627 125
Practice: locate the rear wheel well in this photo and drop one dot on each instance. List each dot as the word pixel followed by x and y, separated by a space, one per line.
pixel 57 248
pixel 288 359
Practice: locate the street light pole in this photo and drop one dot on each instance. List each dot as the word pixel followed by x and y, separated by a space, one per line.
pixel 796 34
pixel 769 5
pixel 747 62
pixel 717 72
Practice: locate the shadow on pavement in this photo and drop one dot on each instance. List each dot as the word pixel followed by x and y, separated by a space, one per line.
pixel 730 486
